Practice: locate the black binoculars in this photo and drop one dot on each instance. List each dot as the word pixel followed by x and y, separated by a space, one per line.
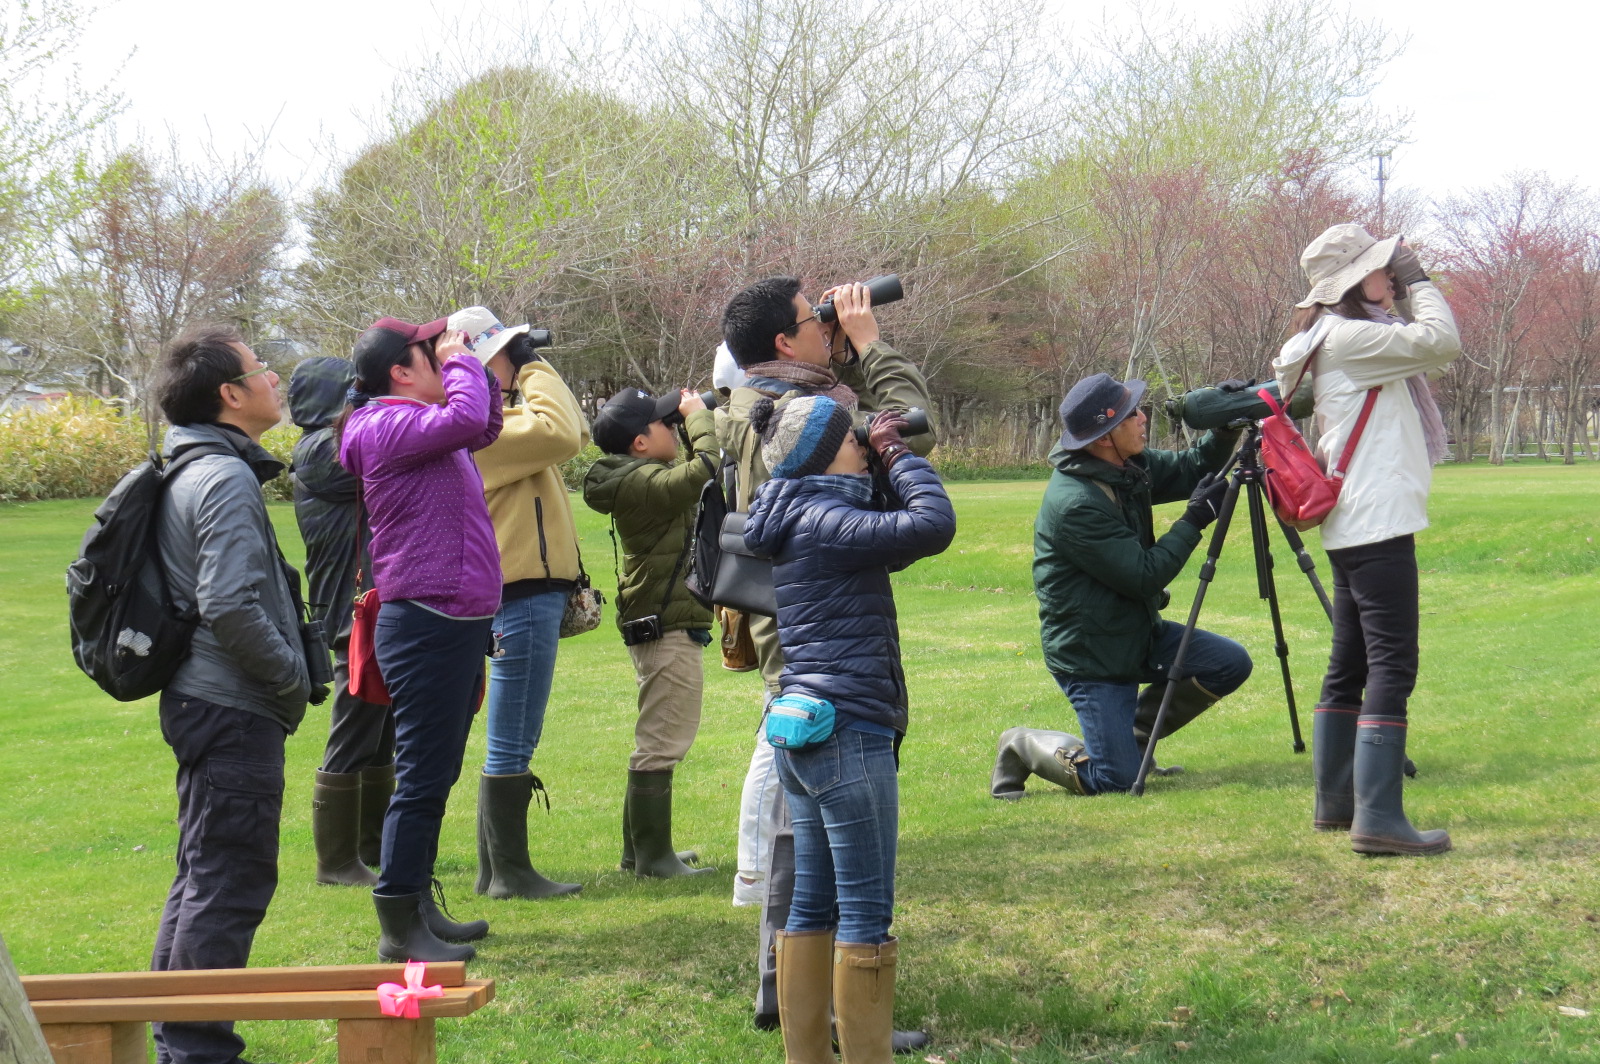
pixel 880 290
pixel 540 338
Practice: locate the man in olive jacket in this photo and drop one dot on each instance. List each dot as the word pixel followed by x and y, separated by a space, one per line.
pixel 785 350
pixel 1100 574
pixel 651 499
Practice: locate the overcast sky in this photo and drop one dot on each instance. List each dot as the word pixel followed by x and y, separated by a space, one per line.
pixel 1492 88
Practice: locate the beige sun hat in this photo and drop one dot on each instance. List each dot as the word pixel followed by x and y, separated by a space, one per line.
pixel 1336 261
pixel 485 334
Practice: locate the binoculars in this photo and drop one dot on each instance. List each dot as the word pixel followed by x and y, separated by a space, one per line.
pixel 880 290
pixel 540 338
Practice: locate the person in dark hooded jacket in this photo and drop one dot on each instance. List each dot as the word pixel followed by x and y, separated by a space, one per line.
pixel 355 781
pixel 832 554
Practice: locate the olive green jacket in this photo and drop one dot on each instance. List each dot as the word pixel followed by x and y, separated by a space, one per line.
pixel 652 505
pixel 882 378
pixel 1098 569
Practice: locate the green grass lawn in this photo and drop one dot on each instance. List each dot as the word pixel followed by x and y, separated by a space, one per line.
pixel 1205 921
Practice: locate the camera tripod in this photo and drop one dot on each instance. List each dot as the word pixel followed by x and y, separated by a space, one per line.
pixel 1247 476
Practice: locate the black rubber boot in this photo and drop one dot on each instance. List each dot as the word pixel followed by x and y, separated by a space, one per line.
pixel 1188 702
pixel 1051 755
pixel 1380 825
pixel 1333 756
pixel 377 787
pixel 335 827
pixel 437 915
pixel 503 839
pixel 626 864
pixel 649 817
pixel 404 934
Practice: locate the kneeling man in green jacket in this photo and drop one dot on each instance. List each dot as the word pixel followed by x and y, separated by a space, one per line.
pixel 1100 574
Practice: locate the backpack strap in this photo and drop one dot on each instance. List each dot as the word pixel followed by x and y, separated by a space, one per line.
pixel 1355 435
pixel 1349 451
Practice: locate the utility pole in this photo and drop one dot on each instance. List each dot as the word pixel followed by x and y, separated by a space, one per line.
pixel 1383 180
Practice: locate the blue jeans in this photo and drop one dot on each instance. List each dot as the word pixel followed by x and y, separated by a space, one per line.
pixel 1106 710
pixel 527 630
pixel 432 666
pixel 844 800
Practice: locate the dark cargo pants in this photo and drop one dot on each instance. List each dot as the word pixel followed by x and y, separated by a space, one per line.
pixel 230 799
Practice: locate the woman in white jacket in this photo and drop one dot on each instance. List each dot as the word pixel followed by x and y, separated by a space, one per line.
pixel 1352 338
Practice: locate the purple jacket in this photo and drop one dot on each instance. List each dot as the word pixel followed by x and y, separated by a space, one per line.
pixel 432 540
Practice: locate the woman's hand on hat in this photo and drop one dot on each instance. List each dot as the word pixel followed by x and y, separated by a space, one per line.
pixel 452 342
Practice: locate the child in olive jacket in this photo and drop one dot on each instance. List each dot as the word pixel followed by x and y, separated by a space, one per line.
pixel 651 499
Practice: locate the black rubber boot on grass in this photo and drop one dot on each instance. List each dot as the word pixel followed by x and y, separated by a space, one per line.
pixel 1333 757
pixel 404 934
pixel 335 829
pixel 503 841
pixel 1380 825
pixel 649 819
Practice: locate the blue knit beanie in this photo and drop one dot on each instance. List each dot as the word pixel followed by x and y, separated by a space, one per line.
pixel 800 438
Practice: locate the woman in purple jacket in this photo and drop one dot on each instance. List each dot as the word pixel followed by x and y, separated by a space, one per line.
pixel 420 406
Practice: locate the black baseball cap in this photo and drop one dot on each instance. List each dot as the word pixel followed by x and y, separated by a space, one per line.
pixel 628 414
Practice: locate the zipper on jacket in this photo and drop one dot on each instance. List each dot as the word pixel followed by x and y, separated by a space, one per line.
pixel 538 517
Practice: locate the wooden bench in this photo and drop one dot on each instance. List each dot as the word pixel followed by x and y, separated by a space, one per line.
pixel 99 1019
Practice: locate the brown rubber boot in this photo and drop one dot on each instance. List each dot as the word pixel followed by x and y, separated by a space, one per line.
pixel 863 1000
pixel 805 994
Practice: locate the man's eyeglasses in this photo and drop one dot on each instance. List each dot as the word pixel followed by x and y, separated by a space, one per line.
pixel 802 321
pixel 241 378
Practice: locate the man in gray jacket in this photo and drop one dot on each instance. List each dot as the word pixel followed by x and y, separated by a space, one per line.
pixel 245 684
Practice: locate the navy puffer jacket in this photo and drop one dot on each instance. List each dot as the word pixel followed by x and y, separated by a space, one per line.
pixel 831 565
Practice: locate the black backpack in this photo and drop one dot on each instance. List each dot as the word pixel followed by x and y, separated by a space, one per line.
pixel 706 551
pixel 127 635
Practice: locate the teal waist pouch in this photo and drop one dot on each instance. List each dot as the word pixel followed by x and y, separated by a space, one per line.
pixel 795 722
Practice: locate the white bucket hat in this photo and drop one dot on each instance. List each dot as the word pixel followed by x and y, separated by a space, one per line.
pixel 1336 261
pixel 485 335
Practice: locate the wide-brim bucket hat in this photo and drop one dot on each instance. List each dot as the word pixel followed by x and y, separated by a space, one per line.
pixel 485 333
pixel 1336 261
pixel 1095 406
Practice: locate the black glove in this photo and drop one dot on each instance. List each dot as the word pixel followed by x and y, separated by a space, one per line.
pixel 1406 269
pixel 1205 502
pixel 519 352
pixel 1234 384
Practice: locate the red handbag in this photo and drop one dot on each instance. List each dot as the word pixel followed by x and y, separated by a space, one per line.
pixel 366 679
pixel 1302 495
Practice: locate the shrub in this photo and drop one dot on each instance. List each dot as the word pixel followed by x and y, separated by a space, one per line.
pixel 72 449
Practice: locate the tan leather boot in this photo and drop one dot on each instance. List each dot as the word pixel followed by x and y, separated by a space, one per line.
pixel 805 992
pixel 863 1000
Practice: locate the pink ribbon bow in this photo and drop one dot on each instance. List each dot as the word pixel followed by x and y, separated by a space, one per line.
pixel 401 1001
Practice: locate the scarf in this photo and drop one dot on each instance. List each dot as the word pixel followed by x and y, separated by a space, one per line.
pixel 855 488
pixel 1421 396
pixel 813 380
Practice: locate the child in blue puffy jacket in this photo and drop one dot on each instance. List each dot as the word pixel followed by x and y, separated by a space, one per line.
pixel 838 720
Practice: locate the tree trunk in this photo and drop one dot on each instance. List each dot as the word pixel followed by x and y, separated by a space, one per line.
pixel 21 1041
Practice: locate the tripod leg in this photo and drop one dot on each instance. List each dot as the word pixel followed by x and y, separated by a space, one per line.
pixel 1307 565
pixel 1208 570
pixel 1269 591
